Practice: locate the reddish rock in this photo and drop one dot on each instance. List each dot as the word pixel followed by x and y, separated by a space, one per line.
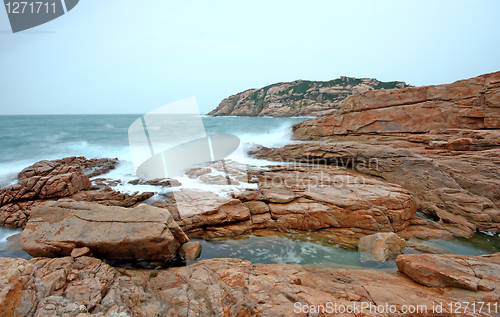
pixel 18 289
pixel 47 180
pixel 298 198
pixel 216 287
pixel 475 273
pixel 461 191
pixel 465 104
pixel 190 250
pixel 91 167
pixel 78 252
pixel 110 197
pixel 142 232
pixel 380 247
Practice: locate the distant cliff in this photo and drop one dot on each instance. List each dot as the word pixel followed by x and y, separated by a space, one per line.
pixel 298 98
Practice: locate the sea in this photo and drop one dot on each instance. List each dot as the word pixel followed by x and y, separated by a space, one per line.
pixel 27 139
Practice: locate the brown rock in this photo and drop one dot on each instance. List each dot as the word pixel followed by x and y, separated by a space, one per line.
pixel 47 180
pixel 17 287
pixel 257 207
pixel 412 110
pixel 191 250
pixel 142 232
pixel 91 167
pixel 463 191
pixel 78 252
pixel 166 182
pixel 380 247
pixel 112 197
pixel 475 273
pixel 217 287
pixel 425 248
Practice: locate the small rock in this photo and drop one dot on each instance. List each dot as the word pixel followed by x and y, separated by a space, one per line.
pixel 380 246
pixel 191 250
pixel 78 252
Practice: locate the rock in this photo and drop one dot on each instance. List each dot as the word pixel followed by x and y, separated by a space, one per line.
pixel 142 232
pixel 78 252
pixel 297 98
pixel 47 180
pixel 191 250
pixel 109 197
pixel 380 247
pixel 166 182
pixel 90 167
pixel 257 207
pixel 465 104
pixel 461 192
pixel 298 198
pixel 17 200
pixel 216 287
pixel 425 232
pixel 43 187
pixel 18 291
pixel 425 248
pixel 474 273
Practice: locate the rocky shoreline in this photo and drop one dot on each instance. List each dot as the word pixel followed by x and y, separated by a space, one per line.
pixel 384 168
pixel 298 98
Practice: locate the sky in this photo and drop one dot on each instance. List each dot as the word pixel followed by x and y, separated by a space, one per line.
pixel 118 57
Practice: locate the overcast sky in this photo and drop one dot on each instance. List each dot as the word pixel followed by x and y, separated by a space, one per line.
pixel 134 56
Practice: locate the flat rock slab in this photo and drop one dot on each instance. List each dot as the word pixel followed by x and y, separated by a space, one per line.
pixel 474 273
pixel 142 232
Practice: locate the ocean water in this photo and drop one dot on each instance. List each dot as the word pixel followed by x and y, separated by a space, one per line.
pixel 28 139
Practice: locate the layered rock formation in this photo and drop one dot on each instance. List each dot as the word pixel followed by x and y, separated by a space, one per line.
pixel 301 198
pixel 67 177
pixel 226 287
pixel 438 142
pixel 465 199
pixel 466 104
pixel 297 98
pixel 451 270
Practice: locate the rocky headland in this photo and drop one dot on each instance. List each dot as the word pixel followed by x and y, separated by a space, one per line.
pixel 298 98
pixel 383 172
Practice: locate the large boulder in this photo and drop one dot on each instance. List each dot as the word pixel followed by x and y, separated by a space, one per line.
pixel 475 273
pixel 380 246
pixel 141 232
